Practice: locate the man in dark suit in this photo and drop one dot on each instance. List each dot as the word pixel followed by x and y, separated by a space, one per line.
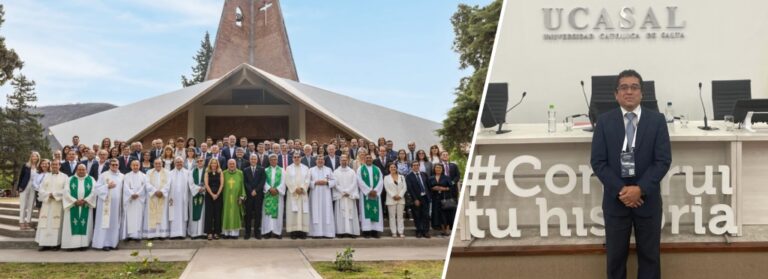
pixel 306 158
pixel 125 160
pixel 101 165
pixel 332 160
pixel 391 153
pixel 69 166
pixel 215 155
pixel 137 150
pixel 157 150
pixel 254 178
pixel 382 161
pixel 451 169
pixel 90 162
pixel 630 155
pixel 418 189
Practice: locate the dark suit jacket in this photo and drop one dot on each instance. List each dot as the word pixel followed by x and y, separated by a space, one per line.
pixel 138 156
pixel 384 169
pixel 254 182
pixel 226 152
pixel 335 165
pixel 455 173
pixel 414 188
pixel 24 177
pixel 67 169
pixel 125 168
pixel 312 161
pixel 652 160
pixel 95 171
pixel 281 157
pixel 222 161
pixel 153 155
pixel 445 181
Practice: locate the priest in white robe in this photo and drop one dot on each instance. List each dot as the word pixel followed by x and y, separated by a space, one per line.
pixel 50 193
pixel 196 194
pixel 274 191
pixel 321 185
pixel 109 190
pixel 134 197
pixel 178 200
pixel 156 209
pixel 371 182
pixel 346 194
pixel 79 198
pixel 297 200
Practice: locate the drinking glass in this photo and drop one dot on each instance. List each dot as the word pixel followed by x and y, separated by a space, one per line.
pixel 729 123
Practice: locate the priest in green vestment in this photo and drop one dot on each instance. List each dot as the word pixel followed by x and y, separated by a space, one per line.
pixel 234 195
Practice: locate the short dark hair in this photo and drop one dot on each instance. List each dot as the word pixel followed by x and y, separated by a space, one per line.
pixel 629 73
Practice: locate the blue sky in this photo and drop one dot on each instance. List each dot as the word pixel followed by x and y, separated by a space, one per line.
pixel 393 53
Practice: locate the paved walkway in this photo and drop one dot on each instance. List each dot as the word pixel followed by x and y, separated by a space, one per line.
pixel 249 263
pixel 234 262
pixel 91 256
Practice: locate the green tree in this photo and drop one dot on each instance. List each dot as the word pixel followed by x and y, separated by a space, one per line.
pixel 202 58
pixel 21 132
pixel 475 29
pixel 9 60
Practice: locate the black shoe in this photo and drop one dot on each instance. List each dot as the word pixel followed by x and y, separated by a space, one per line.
pixel 257 236
pixel 367 234
pixel 247 237
pixel 427 235
pixel 303 236
pixel 105 249
pixel 83 248
pixel 418 235
pixel 267 236
pixel 375 234
pixel 293 236
pixel 278 236
pixel 42 248
pixel 114 248
pixel 55 248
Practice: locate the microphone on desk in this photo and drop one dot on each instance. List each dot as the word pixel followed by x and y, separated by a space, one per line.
pixel 518 102
pixel 500 131
pixel 590 115
pixel 706 126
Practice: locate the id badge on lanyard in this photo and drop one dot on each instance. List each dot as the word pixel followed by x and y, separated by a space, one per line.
pixel 627 159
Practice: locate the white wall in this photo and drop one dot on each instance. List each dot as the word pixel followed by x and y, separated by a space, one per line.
pixel 723 40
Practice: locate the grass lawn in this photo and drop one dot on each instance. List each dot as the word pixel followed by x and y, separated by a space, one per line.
pixel 82 270
pixel 384 269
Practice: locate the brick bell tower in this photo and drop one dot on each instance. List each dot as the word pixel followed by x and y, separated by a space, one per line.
pixel 252 32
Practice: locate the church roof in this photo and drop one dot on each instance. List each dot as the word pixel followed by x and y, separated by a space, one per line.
pixel 365 119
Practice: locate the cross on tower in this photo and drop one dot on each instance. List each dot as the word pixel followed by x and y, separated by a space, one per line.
pixel 264 9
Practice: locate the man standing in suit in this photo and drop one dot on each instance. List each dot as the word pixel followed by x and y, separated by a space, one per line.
pixel 332 160
pixel 101 165
pixel 630 155
pixel 306 157
pixel 69 166
pixel 451 169
pixel 157 150
pixel 418 189
pixel 125 160
pixel 254 179
pixel 215 155
pixel 411 151
pixel 383 160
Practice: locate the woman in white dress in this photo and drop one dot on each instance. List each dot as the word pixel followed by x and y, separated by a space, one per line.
pixel 394 184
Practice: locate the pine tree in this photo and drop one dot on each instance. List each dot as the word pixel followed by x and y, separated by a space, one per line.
pixel 21 132
pixel 9 60
pixel 475 29
pixel 202 59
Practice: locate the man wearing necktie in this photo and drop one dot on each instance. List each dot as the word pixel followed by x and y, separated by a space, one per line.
pixel 630 155
pixel 415 182
pixel 254 179
pixel 411 151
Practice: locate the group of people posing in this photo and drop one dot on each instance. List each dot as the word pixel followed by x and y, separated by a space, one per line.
pixel 95 198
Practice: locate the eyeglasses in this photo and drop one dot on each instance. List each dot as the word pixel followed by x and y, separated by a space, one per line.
pixel 625 87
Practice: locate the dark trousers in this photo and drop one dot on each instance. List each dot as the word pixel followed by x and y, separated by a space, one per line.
pixel 421 216
pixel 647 236
pixel 253 210
pixel 213 215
